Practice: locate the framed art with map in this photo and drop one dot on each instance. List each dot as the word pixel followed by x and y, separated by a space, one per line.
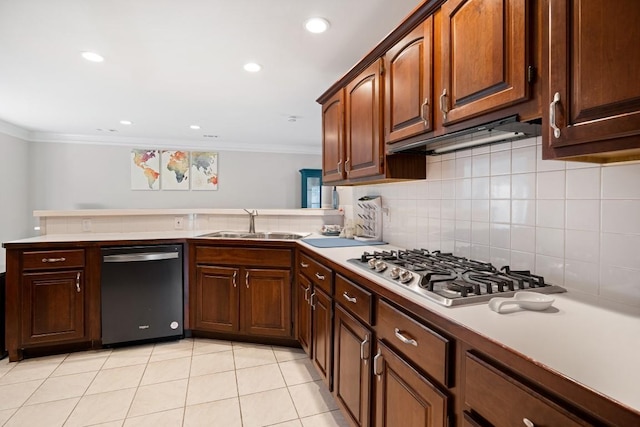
pixel 204 170
pixel 145 169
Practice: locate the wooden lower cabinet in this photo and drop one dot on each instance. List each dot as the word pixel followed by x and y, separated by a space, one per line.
pixel 303 311
pixel 321 312
pixel 403 396
pixel 217 304
pixel 53 307
pixel 266 302
pixel 352 367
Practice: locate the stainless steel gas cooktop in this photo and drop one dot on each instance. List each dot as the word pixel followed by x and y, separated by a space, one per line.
pixel 450 280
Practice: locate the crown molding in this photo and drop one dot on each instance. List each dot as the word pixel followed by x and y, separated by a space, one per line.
pixel 13 130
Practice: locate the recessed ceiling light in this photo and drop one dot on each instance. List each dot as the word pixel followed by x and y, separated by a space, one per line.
pixel 92 56
pixel 126 122
pixel 195 127
pixel 252 67
pixel 316 25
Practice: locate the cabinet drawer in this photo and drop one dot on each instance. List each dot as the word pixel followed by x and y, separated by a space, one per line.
pixel 46 260
pixel 425 348
pixel 316 272
pixel 255 257
pixel 355 299
pixel 485 385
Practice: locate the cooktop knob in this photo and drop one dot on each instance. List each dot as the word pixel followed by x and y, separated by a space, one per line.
pixel 381 266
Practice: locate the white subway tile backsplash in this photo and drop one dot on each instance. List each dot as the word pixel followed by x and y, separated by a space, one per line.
pixel 523 186
pixel 550 213
pixel 523 160
pixel 501 163
pixel 434 207
pixel 551 185
pixel 523 260
pixel 463 167
pixel 481 165
pixel 463 153
pixel 525 143
pixel 463 188
pixel 503 146
pixel 480 188
pixel 552 269
pixel 582 245
pixel 547 165
pixel 462 249
pixel 500 236
pixel 463 210
pixel 582 276
pixel 621 181
pixel 500 257
pixel 621 216
pixel 523 238
pixel 434 171
pixel 448 189
pixel 550 242
pixel 620 285
pixel 448 209
pixel 481 252
pixel 463 231
pixel 448 169
pixel 583 183
pixel 480 210
pixel 500 211
pixel 620 250
pixel 481 233
pixel 434 190
pixel 523 212
pixel 501 187
pixel 583 215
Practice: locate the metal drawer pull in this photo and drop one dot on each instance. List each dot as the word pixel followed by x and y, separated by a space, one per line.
pixel 443 106
pixel 362 344
pixel 246 279
pixel 78 282
pixel 63 259
pixel 311 303
pixel 348 298
pixel 306 293
pixel 375 365
pixel 303 265
pixel 319 276
pixel 405 339
pixel 424 117
pixel 528 422
pixel 552 115
pixel 235 275
pixel 339 170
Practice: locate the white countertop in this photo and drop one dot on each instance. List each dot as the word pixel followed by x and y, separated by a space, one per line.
pixel 579 338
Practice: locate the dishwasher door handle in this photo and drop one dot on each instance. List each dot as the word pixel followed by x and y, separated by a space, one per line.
pixel 142 256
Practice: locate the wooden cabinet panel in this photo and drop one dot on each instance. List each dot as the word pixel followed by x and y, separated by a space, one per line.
pixel 333 139
pixel 355 299
pixel 254 257
pixel 216 297
pixel 485 385
pixel 423 346
pixel 403 396
pixel 365 155
pixel 484 57
pixel 593 68
pixel 267 302
pixel 352 367
pixel 321 324
pixel 408 88
pixel 48 260
pixel 303 310
pixel 320 275
pixel 53 306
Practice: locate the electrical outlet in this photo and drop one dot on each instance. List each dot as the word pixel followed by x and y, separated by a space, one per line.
pixel 178 223
pixel 86 224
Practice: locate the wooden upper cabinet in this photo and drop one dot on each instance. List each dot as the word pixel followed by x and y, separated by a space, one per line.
pixel 364 148
pixel 333 138
pixel 593 62
pixel 408 69
pixel 484 47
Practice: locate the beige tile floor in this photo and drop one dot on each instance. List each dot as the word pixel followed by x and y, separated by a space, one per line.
pixel 191 382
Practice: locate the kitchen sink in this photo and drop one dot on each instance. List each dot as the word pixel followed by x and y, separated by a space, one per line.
pixel 275 235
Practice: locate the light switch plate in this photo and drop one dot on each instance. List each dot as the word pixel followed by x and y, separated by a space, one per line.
pixel 86 224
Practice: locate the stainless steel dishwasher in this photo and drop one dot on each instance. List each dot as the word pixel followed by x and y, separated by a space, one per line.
pixel 142 293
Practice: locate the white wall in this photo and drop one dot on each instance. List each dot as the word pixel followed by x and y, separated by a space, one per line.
pixel 577 224
pixel 15 166
pixel 72 176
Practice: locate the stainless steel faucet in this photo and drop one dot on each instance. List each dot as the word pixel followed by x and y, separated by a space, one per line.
pixel 252 220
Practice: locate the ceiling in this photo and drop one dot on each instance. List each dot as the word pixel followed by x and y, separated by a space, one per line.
pixel 170 64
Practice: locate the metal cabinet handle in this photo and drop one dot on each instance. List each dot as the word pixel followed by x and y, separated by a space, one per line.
pixel 311 302
pixel 443 104
pixel 362 344
pixel 375 365
pixel 348 298
pixel 235 276
pixel 339 169
pixel 346 162
pixel 528 422
pixel 319 276
pixel 77 282
pixel 306 293
pixel 303 265
pixel 423 115
pixel 404 339
pixel 62 259
pixel 246 279
pixel 552 115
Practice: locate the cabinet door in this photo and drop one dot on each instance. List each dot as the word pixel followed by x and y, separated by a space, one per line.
pixel 217 303
pixel 403 396
pixel 408 90
pixel 267 302
pixel 484 57
pixel 352 367
pixel 365 156
pixel 303 309
pixel 333 138
pixel 53 307
pixel 593 69
pixel 321 333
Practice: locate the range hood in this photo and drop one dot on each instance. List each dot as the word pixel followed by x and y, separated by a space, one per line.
pixel 507 129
